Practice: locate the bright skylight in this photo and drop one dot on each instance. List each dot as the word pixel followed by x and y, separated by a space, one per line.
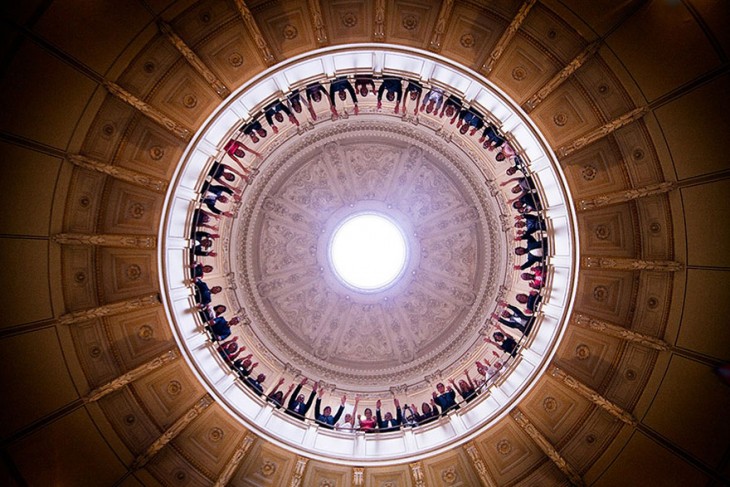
pixel 368 251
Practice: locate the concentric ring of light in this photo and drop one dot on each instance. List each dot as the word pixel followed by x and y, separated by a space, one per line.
pixel 368 251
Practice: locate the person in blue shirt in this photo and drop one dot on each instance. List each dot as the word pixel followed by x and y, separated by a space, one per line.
pixel 446 398
pixel 325 418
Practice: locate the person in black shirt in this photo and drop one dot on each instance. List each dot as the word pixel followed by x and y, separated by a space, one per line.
pixel 388 423
pixel 277 397
pixel 394 88
pixel 413 91
pixel 340 86
pixel 244 366
pixel 296 405
pixel 503 341
pixel 254 130
pixel 528 224
pixel 493 139
pixel 204 294
pixel 469 118
pixel 325 418
pixel 517 319
pixel 529 300
pixel 534 250
pixel 451 108
pixel 256 384
pixel 467 389
pixel 429 412
pixel 199 270
pixel 363 82
pixel 273 112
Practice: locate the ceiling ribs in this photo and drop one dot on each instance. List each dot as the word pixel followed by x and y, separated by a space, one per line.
pixel 149 111
pixel 131 376
pixel 115 308
pixel 137 178
pixel 507 36
pixel 255 32
pixel 544 444
pixel 193 59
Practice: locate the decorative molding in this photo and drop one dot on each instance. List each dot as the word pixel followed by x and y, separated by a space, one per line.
pixel 591 395
pixel 618 197
pixel 134 177
pixel 547 448
pixel 507 36
pixel 109 309
pixel 193 59
pixel 253 29
pixel 602 131
pixel 478 463
pixel 440 28
pixel 369 162
pixel 131 376
pixel 298 473
pixel 172 432
pixel 320 33
pixel 419 479
pixel 379 21
pixel 149 111
pixel 358 476
pixel 624 264
pixel 107 240
pixel 620 332
pixel 562 76
pixel 243 447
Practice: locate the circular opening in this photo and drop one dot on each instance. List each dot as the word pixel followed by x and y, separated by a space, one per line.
pixel 368 251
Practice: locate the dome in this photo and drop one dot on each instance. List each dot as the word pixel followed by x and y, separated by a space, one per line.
pixel 109 373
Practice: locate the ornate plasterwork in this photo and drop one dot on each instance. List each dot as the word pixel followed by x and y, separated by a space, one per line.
pixel 457 261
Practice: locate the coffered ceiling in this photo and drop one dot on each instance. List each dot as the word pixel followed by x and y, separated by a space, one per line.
pixel 99 100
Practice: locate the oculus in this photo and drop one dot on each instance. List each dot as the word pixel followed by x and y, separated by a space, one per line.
pixel 368 252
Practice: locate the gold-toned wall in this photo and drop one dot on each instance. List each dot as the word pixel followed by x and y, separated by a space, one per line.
pixel 671 56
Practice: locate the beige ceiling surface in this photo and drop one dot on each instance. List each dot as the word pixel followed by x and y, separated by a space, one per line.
pixel 429 318
pixel 156 426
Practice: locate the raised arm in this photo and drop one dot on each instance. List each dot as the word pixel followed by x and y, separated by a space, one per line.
pixel 340 410
pixel 283 399
pixel 468 379
pixel 354 411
